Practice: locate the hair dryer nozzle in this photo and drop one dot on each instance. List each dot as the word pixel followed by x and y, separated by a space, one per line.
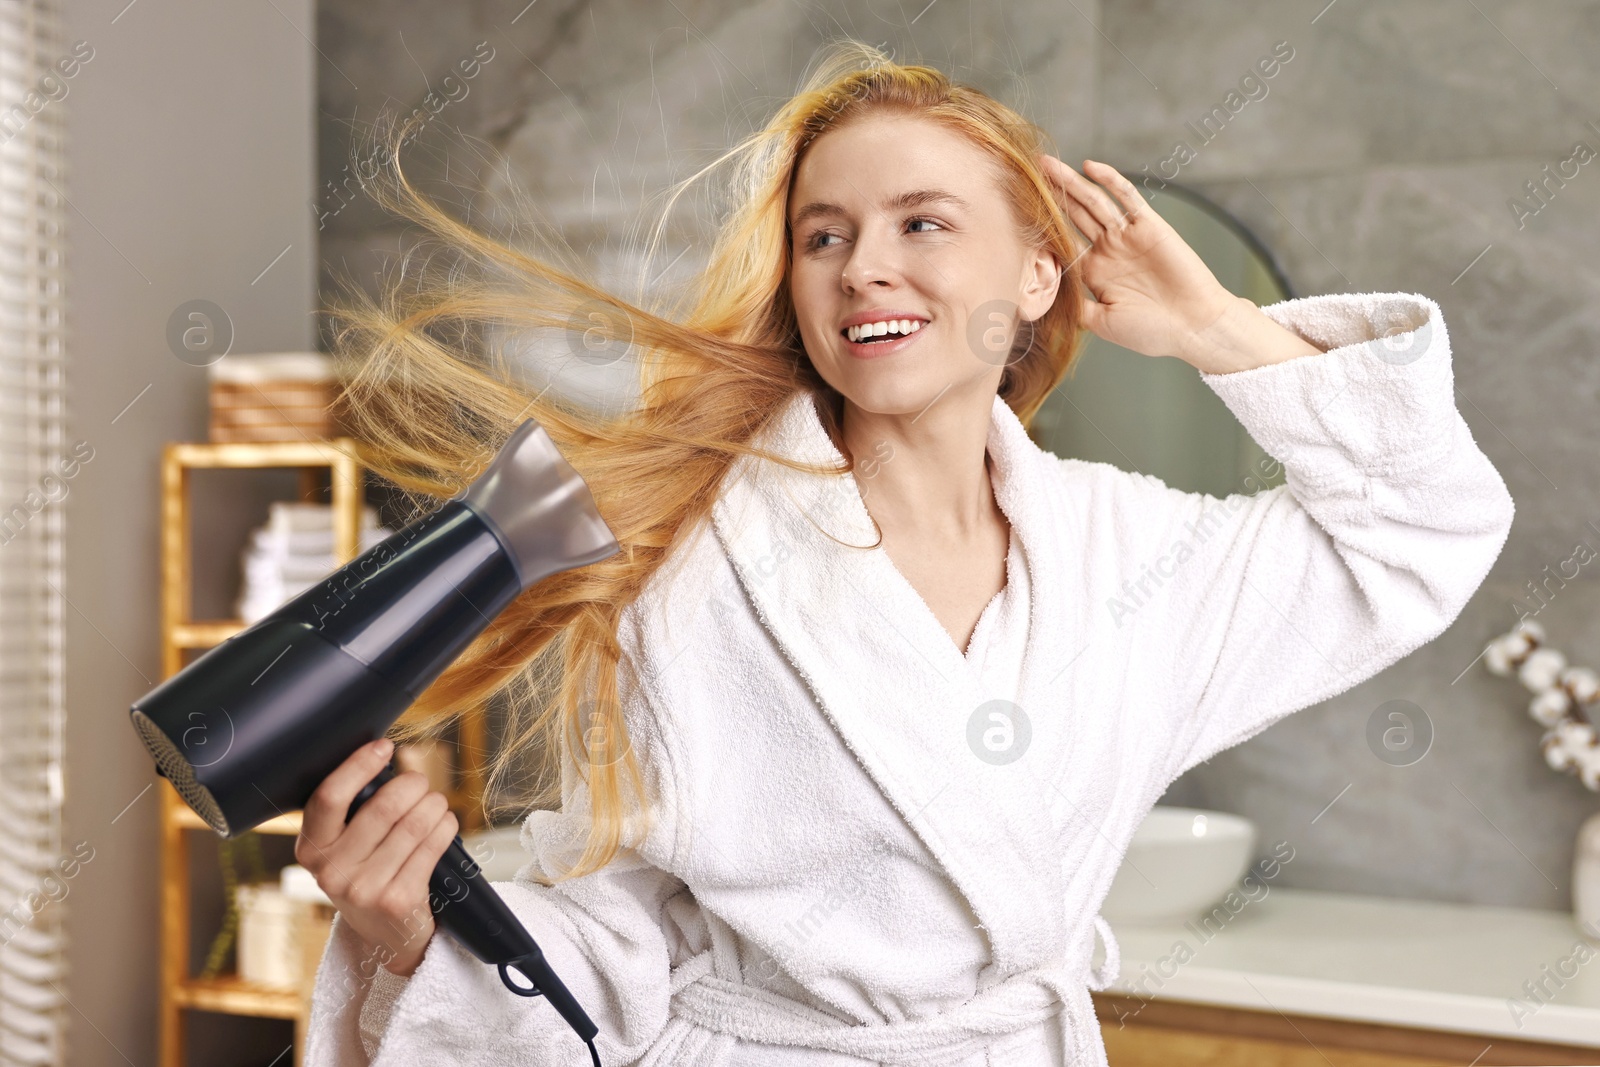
pixel 541 508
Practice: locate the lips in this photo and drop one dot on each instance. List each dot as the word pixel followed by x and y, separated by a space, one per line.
pixel 887 346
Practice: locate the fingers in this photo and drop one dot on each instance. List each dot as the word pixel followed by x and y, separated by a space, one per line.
pixel 379 816
pixel 1127 197
pixel 418 867
pixel 410 911
pixel 1061 176
pixel 412 829
pixel 1093 318
pixel 355 866
pixel 322 822
pixel 1086 223
pixel 1090 208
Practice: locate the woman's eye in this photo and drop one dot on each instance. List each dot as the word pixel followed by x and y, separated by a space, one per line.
pixel 816 239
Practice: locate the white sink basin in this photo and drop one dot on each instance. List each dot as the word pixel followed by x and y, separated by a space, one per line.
pixel 1180 863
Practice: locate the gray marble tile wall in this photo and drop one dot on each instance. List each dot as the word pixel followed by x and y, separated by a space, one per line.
pixel 1387 153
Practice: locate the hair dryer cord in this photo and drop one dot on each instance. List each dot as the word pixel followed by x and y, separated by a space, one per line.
pixel 533 990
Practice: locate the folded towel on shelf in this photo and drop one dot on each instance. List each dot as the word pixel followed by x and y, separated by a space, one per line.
pixel 290 516
pixel 291 552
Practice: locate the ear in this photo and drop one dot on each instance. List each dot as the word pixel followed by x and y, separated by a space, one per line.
pixel 1041 280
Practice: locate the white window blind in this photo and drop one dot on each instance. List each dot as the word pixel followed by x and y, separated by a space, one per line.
pixel 32 889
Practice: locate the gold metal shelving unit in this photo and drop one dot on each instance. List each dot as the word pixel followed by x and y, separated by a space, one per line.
pixel 180 990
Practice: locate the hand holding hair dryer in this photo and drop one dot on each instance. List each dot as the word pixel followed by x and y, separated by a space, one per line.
pixel 251 728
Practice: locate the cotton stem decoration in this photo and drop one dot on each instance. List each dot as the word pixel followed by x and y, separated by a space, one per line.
pixel 1562 697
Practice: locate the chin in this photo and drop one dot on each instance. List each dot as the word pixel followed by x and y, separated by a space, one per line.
pixel 903 394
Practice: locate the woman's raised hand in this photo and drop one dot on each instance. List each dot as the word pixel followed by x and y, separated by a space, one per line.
pixel 376 867
pixel 1154 293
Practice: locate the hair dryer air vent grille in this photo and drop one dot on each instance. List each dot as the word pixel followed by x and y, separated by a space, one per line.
pixel 179 773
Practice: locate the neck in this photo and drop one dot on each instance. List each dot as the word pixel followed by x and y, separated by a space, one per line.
pixel 926 476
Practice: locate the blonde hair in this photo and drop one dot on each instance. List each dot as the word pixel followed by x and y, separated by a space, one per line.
pixel 432 402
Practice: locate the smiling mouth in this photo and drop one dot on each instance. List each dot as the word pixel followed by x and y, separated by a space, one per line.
pixel 918 326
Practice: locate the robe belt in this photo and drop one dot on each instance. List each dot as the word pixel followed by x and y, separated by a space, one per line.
pixel 1106 973
pixel 734 1010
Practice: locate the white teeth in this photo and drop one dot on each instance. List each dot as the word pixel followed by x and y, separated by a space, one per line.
pixel 878 329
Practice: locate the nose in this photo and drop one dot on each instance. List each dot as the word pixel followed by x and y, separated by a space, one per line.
pixel 870 261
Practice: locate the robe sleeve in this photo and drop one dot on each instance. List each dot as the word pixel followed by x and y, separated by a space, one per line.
pixel 608 936
pixel 1388 520
pixel 385 990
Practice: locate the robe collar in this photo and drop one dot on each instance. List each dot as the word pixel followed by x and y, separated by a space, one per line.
pixel 893 684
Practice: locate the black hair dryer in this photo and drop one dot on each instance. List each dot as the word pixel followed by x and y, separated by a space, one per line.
pixel 251 728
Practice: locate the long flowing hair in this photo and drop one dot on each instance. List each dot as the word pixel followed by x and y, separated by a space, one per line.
pixel 432 397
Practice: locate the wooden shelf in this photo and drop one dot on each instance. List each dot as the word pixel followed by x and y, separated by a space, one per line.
pixel 206 634
pixel 245 455
pixel 288 823
pixel 230 995
pixel 180 636
pixel 180 990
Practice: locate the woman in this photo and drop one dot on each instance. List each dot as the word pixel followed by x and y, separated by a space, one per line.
pixel 895 726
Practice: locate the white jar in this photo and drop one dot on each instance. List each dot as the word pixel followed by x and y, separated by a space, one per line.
pixel 1586 879
pixel 269 949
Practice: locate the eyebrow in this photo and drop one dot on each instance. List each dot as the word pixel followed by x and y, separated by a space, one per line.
pixel 913 198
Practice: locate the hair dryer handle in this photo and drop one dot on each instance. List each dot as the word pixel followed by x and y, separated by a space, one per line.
pixel 464 903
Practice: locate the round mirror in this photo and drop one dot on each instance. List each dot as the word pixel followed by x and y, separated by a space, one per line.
pixel 1155 415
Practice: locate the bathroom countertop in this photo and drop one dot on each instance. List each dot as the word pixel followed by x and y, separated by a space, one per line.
pixel 1401 962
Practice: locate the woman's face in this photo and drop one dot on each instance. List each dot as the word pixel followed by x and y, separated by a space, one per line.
pixel 896 217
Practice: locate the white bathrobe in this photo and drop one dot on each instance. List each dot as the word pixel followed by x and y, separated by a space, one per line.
pixel 856 860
